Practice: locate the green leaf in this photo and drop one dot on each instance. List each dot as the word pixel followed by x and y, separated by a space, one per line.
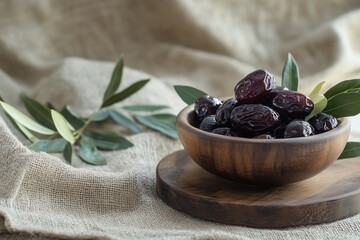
pixel 317 89
pixel 125 93
pixel 101 115
pixel 115 80
pixel 39 112
pixel 353 90
pixel 188 94
pixel 25 120
pixel 319 105
pixel 108 140
pixel 124 121
pixel 25 132
pixel 351 150
pixel 72 117
pixel 290 74
pixel 145 108
pixel 318 99
pixel 89 153
pixel 164 123
pixel 341 87
pixel 343 105
pixel 49 146
pixel 62 126
pixel 68 152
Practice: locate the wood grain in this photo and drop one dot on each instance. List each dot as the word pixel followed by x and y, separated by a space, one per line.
pixel 331 195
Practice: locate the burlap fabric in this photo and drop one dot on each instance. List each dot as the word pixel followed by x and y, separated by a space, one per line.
pixel 64 52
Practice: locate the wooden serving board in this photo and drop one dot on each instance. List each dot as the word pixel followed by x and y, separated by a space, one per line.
pixel 331 195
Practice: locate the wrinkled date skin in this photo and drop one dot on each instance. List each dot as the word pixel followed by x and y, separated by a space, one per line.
pixel 279 130
pixel 254 118
pixel 254 87
pixel 223 131
pixel 223 112
pixel 205 106
pixel 290 104
pixel 323 122
pixel 298 128
pixel 209 123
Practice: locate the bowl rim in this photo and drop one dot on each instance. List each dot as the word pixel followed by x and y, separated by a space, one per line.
pixel 182 122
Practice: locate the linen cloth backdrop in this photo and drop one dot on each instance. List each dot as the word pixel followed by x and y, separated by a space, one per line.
pixel 64 52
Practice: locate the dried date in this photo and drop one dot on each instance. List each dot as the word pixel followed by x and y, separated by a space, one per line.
pixel 254 118
pixel 254 87
pixel 223 112
pixel 298 128
pixel 205 106
pixel 290 104
pixel 323 122
pixel 209 123
pixel 223 131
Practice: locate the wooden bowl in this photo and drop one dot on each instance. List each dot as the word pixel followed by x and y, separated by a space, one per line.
pixel 261 161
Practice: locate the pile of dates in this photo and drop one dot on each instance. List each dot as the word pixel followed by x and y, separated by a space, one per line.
pixel 261 110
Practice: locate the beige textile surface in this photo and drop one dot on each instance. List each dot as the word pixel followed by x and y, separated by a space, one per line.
pixel 64 52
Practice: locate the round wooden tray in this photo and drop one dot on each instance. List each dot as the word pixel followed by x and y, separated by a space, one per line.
pixel 331 195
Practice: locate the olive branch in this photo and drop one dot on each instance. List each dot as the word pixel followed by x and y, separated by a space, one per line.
pixel 61 131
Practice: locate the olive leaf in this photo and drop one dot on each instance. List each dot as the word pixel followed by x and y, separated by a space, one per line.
pixel 352 149
pixel 71 126
pixel 107 140
pixel 115 80
pixel 121 119
pixel 25 132
pixel 343 105
pixel 89 153
pixel 39 112
pixel 290 74
pixel 62 126
pixel 101 115
pixel 353 90
pixel 342 87
pixel 144 108
pixel 68 152
pixel 188 94
pixel 25 120
pixel 72 117
pixel 49 146
pixel 318 99
pixel 164 123
pixel 118 97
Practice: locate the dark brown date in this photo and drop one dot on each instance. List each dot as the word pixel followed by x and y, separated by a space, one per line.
pixel 254 87
pixel 323 122
pixel 205 106
pixel 209 123
pixel 298 128
pixel 290 104
pixel 223 112
pixel 279 130
pixel 254 118
pixel 223 131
